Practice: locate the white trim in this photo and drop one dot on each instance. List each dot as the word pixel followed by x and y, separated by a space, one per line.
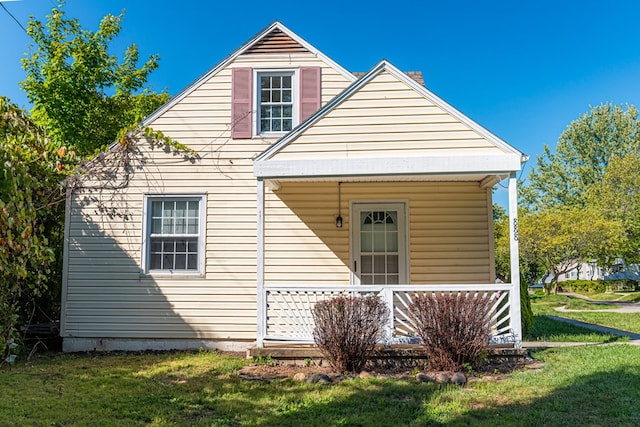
pixel 221 65
pixel 295 99
pixel 65 261
pixel 261 312
pixel 490 230
pixel 434 165
pixel 514 258
pixel 402 207
pixel 202 219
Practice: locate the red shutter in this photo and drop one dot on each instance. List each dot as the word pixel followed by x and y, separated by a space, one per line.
pixel 241 117
pixel 309 91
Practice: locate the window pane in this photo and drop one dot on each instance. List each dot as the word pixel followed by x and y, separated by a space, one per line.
pixel 156 209
pixel 275 96
pixel 181 262
pixel 379 279
pixel 379 264
pixel 286 81
pixel 366 242
pixel 287 111
pixel 276 112
pixel 167 262
pixel 265 112
pixel 392 279
pixel 287 124
pixel 276 126
pixel 379 241
pixel 156 226
pixel 392 241
pixel 392 264
pixel 181 246
pixel 286 96
pixel 168 246
pixel 264 125
pixel 366 264
pixel 192 226
pixel 155 261
pixel 264 82
pixel 366 279
pixel 192 261
pixel 276 81
pixel 167 226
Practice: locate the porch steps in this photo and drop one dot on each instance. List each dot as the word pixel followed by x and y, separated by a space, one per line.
pixel 401 354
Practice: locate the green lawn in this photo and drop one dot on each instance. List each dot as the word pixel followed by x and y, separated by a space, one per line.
pixel 544 305
pixel 577 386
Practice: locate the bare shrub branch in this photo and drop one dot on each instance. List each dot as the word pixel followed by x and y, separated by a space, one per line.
pixel 348 328
pixel 454 328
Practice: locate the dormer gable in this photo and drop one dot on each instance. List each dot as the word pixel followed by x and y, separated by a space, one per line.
pixel 276 42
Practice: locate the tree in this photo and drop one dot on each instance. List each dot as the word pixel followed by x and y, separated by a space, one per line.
pixel 30 214
pixel 617 196
pixel 583 152
pixel 559 239
pixel 79 91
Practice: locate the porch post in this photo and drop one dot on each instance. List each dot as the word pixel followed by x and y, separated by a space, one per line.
pixel 516 324
pixel 260 294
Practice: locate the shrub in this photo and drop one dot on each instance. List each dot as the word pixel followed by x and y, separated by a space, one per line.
pixel 584 286
pixel 347 330
pixel 526 312
pixel 454 328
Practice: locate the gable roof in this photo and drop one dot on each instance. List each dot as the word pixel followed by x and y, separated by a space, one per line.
pixel 275 38
pixel 381 67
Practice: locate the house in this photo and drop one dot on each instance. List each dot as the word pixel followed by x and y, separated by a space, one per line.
pixel 306 181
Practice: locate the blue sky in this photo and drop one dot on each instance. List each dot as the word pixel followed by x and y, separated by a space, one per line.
pixel 522 69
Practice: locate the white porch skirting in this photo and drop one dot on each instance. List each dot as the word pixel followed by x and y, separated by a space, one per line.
pixel 286 314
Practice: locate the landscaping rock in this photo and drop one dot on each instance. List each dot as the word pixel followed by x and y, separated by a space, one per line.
pixel 442 378
pixel 459 378
pixel 423 378
pixel 319 378
pixel 365 374
pixel 299 376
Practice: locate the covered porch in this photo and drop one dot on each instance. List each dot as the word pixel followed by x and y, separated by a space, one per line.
pixel 390 235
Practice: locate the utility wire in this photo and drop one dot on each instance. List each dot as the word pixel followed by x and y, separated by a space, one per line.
pixel 14 18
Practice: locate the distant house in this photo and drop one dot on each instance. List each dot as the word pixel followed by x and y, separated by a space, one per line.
pixel 309 182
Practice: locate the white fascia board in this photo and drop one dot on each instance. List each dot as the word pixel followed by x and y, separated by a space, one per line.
pixel 222 64
pixel 433 165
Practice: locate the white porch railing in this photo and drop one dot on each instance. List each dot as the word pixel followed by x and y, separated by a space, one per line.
pixel 287 315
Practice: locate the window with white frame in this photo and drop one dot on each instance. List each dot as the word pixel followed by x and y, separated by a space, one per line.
pixel 174 234
pixel 275 93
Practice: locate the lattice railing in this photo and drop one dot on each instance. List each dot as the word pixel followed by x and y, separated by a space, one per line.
pixel 288 311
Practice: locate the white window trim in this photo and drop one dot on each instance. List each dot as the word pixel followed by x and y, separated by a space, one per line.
pixel 295 97
pixel 146 218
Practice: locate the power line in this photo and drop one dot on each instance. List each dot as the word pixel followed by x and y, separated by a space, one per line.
pixel 14 18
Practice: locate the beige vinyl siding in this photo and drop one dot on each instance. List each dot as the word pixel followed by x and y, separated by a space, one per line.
pixel 449 241
pixel 387 118
pixel 107 293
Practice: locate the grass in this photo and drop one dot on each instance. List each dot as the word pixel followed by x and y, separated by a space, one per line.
pixel 545 305
pixel 577 386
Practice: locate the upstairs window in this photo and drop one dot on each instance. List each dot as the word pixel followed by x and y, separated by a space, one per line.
pixel 272 101
pixel 275 102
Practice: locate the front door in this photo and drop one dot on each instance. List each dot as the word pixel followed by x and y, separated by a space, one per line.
pixel 378 243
